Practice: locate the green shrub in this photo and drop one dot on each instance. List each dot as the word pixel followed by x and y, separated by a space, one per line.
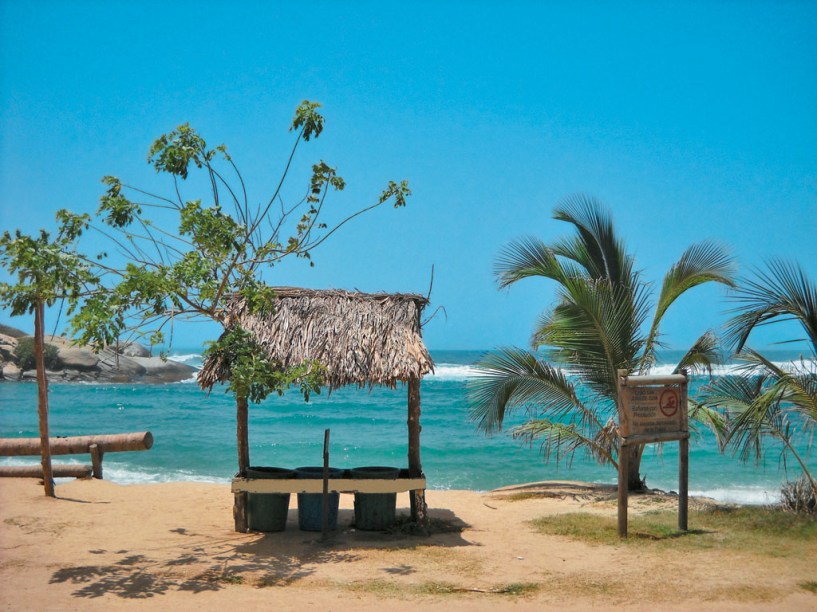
pixel 25 355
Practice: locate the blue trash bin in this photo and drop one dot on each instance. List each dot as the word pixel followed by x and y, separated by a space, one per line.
pixel 310 505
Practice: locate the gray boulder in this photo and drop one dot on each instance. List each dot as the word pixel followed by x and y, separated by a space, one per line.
pixel 77 358
pixel 118 368
pixel 10 371
pixel 159 371
pixel 8 347
pixel 132 349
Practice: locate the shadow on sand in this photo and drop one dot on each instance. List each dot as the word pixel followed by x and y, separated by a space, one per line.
pixel 207 563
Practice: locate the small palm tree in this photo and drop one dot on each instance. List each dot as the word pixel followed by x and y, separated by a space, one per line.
pixel 597 326
pixel 765 399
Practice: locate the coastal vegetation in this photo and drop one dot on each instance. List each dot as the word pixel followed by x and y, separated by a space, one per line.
pixel 765 400
pixel 45 270
pixel 599 324
pixel 220 249
pixel 26 354
pixel 185 258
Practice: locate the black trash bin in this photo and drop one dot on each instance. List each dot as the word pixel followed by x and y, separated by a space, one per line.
pixel 375 511
pixel 268 511
pixel 310 513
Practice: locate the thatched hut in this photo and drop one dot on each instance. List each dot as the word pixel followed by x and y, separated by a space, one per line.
pixel 362 339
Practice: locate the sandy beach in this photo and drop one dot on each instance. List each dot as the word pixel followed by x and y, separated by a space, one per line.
pixel 101 545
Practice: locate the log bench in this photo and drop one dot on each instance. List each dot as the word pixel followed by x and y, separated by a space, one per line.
pixel 96 446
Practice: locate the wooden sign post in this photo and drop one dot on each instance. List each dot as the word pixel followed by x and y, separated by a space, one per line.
pixel 653 409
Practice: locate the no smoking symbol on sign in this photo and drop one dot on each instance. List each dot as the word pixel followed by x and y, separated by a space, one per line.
pixel 668 403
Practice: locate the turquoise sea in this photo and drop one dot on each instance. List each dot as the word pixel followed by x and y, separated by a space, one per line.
pixel 195 435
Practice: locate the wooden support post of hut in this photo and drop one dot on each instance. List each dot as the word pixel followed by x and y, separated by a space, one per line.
pixel 359 339
pixel 417 497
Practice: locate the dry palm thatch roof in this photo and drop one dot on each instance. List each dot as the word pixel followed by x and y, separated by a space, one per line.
pixel 362 339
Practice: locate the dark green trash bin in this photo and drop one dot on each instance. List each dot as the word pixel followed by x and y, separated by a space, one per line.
pixel 268 511
pixel 310 505
pixel 375 511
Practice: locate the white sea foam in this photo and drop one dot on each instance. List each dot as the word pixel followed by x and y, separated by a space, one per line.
pixel 455 371
pixel 446 371
pixel 122 475
pixel 452 371
pixel 191 359
pixel 741 495
pixel 185 357
pixel 728 369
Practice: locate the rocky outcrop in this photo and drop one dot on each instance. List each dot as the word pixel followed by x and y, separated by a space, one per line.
pixel 11 331
pixel 131 349
pixel 74 358
pixel 8 347
pixel 132 364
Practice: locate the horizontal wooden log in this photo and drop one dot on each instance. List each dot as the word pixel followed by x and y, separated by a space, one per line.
pixel 654 379
pixel 75 445
pixel 315 485
pixel 649 438
pixel 36 471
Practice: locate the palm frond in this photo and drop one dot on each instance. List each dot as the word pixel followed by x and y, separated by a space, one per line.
pixel 734 393
pixel 801 395
pixel 511 378
pixel 595 330
pixel 596 247
pixel 755 409
pixel 796 384
pixel 701 263
pixel 565 439
pixel 701 356
pixel 715 420
pixel 529 257
pixel 782 292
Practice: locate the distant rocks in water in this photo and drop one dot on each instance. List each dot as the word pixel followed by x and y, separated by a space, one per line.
pixel 131 349
pixel 68 363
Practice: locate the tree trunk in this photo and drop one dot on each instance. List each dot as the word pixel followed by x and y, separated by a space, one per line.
pixel 242 434
pixel 243 443
pixel 417 499
pixel 42 393
pixel 634 482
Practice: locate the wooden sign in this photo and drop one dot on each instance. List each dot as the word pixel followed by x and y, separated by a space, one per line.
pixel 653 407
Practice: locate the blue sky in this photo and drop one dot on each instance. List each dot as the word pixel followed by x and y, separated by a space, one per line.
pixel 689 120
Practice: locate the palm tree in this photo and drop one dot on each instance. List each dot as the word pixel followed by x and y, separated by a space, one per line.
pixel 597 326
pixel 765 399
